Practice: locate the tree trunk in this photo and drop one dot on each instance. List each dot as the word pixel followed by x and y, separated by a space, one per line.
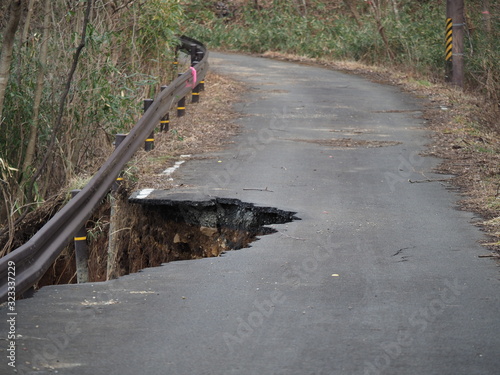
pixel 354 10
pixel 16 7
pixel 62 102
pixel 30 150
pixel 455 11
pixel 377 14
pixel 396 11
pixel 27 22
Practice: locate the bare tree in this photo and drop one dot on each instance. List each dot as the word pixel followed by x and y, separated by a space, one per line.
pixel 27 22
pixel 351 4
pixel 396 11
pixel 62 102
pixel 377 10
pixel 16 7
pixel 30 150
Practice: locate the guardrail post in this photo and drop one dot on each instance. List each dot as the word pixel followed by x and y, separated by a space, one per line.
pixel 181 105
pixel 195 98
pixel 195 93
pixel 201 85
pixel 118 139
pixel 194 50
pixel 112 248
pixel 150 142
pixel 175 63
pixel 199 55
pixel 81 251
pixel 165 120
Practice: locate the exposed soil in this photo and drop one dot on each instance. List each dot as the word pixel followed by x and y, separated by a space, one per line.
pixel 150 235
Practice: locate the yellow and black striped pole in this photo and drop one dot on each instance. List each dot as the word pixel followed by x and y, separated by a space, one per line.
pixel 195 93
pixel 165 123
pixel 118 140
pixel 175 63
pixel 449 49
pixel 181 105
pixel 150 141
pixel 81 251
pixel 201 84
pixel 165 120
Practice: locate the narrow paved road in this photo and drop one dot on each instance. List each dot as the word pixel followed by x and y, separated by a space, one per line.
pixel 380 276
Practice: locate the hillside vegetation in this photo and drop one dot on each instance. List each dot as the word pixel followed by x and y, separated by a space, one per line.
pixel 404 34
pixel 75 75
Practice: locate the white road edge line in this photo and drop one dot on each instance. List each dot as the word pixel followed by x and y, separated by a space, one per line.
pixel 177 164
pixel 144 193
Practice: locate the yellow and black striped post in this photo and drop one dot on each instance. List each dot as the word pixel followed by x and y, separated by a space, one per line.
pixel 165 123
pixel 181 105
pixel 175 69
pixel 195 93
pixel 195 98
pixel 449 49
pixel 193 50
pixel 150 141
pixel 118 139
pixel 201 85
pixel 81 251
pixel 165 120
pixel 175 63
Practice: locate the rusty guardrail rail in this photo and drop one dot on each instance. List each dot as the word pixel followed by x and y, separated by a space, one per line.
pixel 32 259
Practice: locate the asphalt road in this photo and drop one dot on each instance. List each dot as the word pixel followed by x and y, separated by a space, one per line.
pixel 380 275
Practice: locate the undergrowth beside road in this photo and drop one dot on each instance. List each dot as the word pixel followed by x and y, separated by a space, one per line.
pixel 406 35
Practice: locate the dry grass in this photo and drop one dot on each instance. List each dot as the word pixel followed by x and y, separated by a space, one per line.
pixel 206 127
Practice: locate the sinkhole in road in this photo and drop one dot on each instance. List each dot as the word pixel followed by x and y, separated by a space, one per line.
pixel 171 229
pixel 150 232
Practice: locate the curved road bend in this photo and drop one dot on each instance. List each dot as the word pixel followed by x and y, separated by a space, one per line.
pixel 380 276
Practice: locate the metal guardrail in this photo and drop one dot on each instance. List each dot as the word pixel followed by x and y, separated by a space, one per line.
pixel 32 259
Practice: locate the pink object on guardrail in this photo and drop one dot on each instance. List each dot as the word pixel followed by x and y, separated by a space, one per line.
pixel 193 72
